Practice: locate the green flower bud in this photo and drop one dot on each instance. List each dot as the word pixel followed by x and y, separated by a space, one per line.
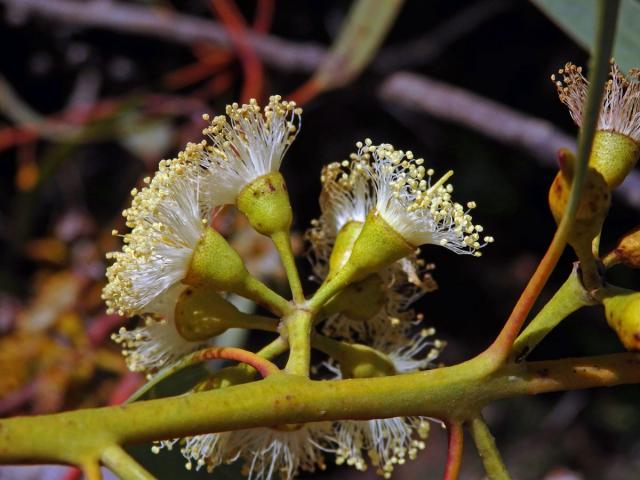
pixel 265 203
pixel 226 377
pixel 365 362
pixel 201 314
pixel 343 246
pixel 592 211
pixel 360 300
pixel 216 264
pixel 627 250
pixel 622 309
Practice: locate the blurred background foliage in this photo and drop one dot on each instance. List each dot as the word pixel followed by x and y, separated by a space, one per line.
pixel 94 93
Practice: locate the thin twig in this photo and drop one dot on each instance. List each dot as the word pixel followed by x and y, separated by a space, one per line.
pixel 486 445
pixel 238 32
pixel 454 452
pixel 500 349
pixel 169 26
pixel 123 465
pixel 262 365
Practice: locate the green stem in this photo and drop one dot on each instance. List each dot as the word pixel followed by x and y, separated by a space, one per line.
pixel 282 241
pixel 336 349
pixel 257 322
pixel 570 297
pixel 500 349
pixel 299 325
pixel 125 467
pixel 486 445
pixel 91 470
pixel 328 289
pixel 257 291
pixel 448 392
pixel 333 348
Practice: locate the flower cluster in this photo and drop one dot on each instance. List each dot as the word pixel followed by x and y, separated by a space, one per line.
pixel 370 318
pixel 169 215
pixel 391 182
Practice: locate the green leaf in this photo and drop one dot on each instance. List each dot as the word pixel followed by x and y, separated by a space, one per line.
pixel 577 19
pixel 362 33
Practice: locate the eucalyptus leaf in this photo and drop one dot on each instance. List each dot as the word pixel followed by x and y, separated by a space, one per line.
pixel 362 33
pixel 577 19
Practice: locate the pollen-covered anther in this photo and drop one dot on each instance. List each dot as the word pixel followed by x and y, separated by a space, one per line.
pixel 165 218
pixel 616 145
pixel 418 207
pixel 246 143
pixel 619 105
pixel 153 345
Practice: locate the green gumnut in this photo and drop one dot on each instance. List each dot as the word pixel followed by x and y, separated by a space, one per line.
pixel 365 362
pixel 622 310
pixel 265 203
pixel 216 264
pixel 360 300
pixel 592 211
pixel 227 377
pixel 201 314
pixel 343 246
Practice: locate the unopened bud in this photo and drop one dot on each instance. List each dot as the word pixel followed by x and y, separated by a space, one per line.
pixel 593 208
pixel 343 246
pixel 360 300
pixel 365 362
pixel 201 314
pixel 627 250
pixel 622 309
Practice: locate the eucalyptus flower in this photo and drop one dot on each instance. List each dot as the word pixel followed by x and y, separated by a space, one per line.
pixel 247 143
pixel 620 110
pixel 387 442
pixel 420 210
pixel 167 219
pixel 266 452
pixel 616 145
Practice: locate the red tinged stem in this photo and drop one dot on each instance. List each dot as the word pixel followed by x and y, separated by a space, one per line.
pixel 237 28
pixel 454 453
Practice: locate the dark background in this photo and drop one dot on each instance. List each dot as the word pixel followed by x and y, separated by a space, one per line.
pixel 507 57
